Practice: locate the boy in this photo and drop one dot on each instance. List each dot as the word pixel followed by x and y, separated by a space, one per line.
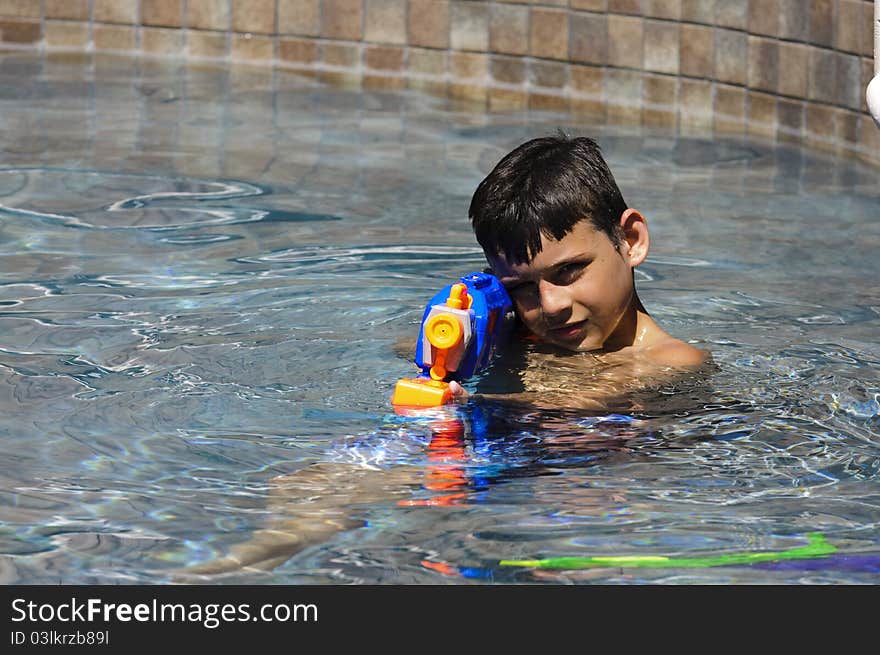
pixel 557 233
pixel 559 236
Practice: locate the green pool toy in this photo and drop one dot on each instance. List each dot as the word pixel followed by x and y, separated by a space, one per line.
pixel 817 546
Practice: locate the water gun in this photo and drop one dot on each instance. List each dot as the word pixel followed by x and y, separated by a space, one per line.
pixel 462 328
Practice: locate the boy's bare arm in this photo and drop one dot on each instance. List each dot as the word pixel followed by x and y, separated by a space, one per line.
pixel 309 507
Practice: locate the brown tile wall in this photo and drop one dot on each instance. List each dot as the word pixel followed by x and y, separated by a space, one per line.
pixel 786 69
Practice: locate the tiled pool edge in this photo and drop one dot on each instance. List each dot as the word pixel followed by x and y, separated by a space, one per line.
pixel 764 68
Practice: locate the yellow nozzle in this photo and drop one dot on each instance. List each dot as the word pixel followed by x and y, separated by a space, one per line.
pixel 443 331
pixel 418 392
pixel 458 297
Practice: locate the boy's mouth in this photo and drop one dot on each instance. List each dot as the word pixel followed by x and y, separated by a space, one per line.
pixel 567 331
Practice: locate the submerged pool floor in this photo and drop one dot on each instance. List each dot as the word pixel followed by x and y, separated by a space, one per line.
pixel 204 276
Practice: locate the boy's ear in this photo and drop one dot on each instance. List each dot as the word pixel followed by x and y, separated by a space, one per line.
pixel 635 237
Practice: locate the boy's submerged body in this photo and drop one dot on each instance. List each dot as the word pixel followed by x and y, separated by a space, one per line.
pixel 556 232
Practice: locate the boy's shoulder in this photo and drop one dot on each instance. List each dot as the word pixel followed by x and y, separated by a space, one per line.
pixel 670 351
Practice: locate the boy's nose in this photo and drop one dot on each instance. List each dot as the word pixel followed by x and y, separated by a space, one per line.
pixel 554 300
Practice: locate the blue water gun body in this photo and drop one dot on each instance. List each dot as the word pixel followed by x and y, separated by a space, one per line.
pixel 463 327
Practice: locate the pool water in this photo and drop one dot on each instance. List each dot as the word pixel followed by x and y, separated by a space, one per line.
pixel 206 273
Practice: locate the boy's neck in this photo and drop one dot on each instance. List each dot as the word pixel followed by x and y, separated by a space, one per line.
pixel 636 328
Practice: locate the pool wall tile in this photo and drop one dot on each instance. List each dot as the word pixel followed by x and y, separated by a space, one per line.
pixel 763 66
pixel 793 69
pixel 115 37
pixel 763 17
pixel 732 14
pixel 428 62
pixel 115 11
pixel 778 69
pixel 587 84
pixel 383 58
pixel 698 11
pixel 790 114
pixel 549 33
pixel 540 101
pixel 731 56
pixel 383 82
pixel 761 114
pixel 20 32
pixel 590 5
pixel 820 126
pixel 341 54
pixel 162 13
pixel 822 22
pixel 69 9
pixel 626 41
pixel 669 9
pixel 256 16
pixel 208 15
pixel 428 23
pixel 299 17
pixel 507 100
pixel 252 47
pixel 162 40
pixel 470 66
pixel 822 84
pixel 427 69
pixel 548 74
pixel 507 70
pixel 847 128
pixel 695 107
pixel 67 34
pixel 659 101
pixel 385 21
pixel 662 46
pixel 625 6
pixel 729 109
pixel 588 38
pixel 476 94
pixel 20 9
pixel 469 26
pixel 697 51
pixel 623 93
pixel 298 51
pixel 432 86
pixel 867 34
pixel 344 79
pixel 509 29
pixel 794 20
pixel 848 76
pixel 342 19
pixel 200 43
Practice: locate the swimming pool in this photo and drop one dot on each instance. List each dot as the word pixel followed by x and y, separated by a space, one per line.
pixel 206 271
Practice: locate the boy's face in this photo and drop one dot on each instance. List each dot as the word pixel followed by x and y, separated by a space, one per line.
pixel 575 292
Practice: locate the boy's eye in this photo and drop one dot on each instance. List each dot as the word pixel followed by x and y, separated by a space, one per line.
pixel 570 272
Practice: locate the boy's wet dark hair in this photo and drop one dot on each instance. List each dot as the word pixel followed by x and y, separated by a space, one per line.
pixel 545 187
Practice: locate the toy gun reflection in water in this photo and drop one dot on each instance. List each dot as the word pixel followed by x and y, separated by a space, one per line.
pixel 462 328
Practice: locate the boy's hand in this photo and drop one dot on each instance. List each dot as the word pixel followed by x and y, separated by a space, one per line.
pixel 459 393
